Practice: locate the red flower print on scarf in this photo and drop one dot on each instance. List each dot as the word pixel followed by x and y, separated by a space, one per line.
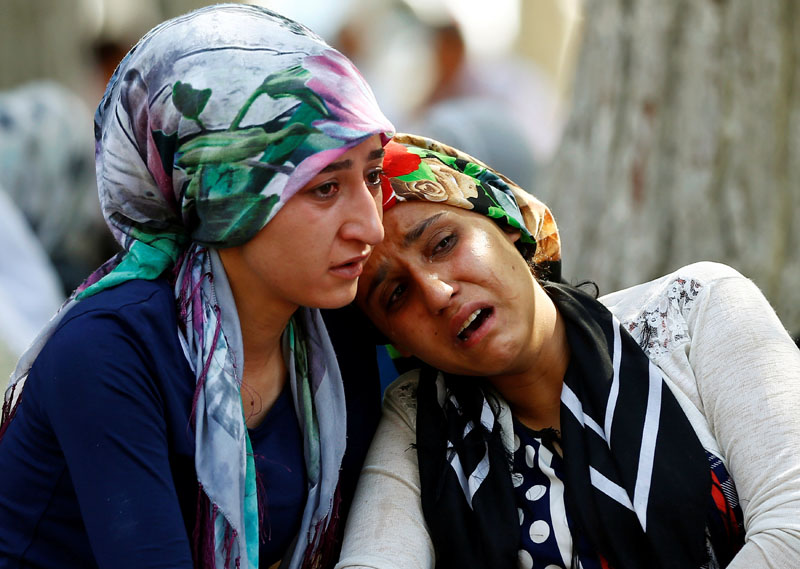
pixel 397 161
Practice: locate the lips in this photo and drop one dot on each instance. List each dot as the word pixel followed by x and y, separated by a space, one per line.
pixel 350 269
pixel 470 323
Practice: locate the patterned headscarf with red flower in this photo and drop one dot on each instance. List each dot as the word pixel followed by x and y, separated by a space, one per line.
pixel 422 169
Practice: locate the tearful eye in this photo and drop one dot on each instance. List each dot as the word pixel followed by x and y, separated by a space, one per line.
pixel 373 178
pixel 445 244
pixel 395 296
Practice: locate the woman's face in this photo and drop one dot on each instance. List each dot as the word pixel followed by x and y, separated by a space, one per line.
pixel 448 286
pixel 314 249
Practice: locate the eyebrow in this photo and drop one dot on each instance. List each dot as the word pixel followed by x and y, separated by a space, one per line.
pixel 410 238
pixel 416 232
pixel 347 164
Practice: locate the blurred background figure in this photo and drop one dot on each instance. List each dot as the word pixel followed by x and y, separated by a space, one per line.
pixel 453 71
pixel 50 224
pixel 47 169
pixel 30 290
pixel 56 59
pixel 484 106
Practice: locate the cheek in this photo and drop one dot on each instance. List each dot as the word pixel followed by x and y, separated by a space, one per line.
pixel 481 258
pixel 402 332
pixel 379 199
pixel 321 231
pixel 415 332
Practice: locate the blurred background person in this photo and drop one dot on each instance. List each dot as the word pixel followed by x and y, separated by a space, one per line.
pixel 449 80
pixel 47 169
pixel 30 290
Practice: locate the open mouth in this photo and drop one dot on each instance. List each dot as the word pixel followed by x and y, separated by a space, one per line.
pixel 473 322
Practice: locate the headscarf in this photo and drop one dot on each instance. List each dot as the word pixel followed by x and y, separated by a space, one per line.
pixel 422 169
pixel 630 453
pixel 209 125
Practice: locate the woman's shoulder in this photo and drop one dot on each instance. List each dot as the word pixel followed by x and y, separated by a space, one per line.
pixel 401 396
pixel 135 321
pixel 121 342
pixel 135 303
pixel 689 277
pixel 657 313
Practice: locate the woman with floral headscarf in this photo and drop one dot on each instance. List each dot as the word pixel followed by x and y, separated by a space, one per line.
pixel 657 427
pixel 184 409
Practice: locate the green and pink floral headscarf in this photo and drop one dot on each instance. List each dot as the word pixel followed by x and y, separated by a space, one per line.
pixel 210 124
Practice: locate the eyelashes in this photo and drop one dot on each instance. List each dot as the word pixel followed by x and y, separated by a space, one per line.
pixel 445 244
pixel 395 296
pixel 373 178
pixel 329 189
pixel 326 191
pixel 440 244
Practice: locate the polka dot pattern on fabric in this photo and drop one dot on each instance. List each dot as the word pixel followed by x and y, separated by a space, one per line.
pixel 545 530
pixel 539 531
pixel 535 492
pixel 530 455
pixel 525 560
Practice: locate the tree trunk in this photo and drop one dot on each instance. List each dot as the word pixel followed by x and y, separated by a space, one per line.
pixel 683 144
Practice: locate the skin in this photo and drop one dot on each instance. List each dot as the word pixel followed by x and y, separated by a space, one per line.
pixel 437 265
pixel 310 254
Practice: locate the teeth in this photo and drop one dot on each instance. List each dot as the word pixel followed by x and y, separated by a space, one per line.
pixel 469 320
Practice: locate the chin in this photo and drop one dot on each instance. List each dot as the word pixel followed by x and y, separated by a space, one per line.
pixel 334 298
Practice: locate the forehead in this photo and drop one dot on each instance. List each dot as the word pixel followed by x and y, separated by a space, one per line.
pixel 407 216
pixel 402 224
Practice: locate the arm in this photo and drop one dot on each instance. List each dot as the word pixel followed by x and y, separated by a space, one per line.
pixel 386 528
pixel 108 415
pixel 748 377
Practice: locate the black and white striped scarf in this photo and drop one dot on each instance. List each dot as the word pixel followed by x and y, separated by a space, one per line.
pixel 636 476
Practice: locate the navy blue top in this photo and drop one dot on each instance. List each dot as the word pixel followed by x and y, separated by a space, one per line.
pixel 97 467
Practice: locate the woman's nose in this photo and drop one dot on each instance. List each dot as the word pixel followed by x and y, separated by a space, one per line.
pixel 436 292
pixel 365 221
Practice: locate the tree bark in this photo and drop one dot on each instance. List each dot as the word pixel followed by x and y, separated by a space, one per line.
pixel 683 144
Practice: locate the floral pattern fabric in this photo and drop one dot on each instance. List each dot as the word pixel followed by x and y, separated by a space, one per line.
pixel 661 326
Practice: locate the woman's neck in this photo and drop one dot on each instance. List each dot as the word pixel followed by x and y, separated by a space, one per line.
pixel 264 374
pixel 262 321
pixel 534 395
